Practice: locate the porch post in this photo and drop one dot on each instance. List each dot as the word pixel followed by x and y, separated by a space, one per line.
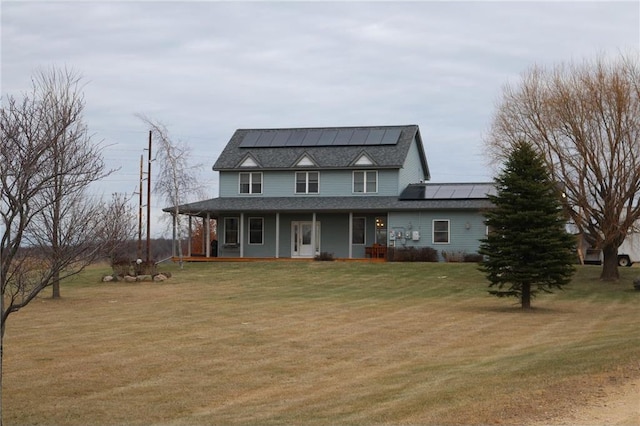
pixel 313 235
pixel 207 236
pixel 173 236
pixel 350 235
pixel 277 235
pixel 189 236
pixel 241 234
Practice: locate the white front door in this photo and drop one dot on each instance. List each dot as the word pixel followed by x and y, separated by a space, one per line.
pixel 302 239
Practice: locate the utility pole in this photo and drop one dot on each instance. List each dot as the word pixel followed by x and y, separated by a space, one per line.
pixel 149 201
pixel 139 253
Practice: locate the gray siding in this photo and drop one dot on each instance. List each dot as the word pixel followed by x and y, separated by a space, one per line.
pixel 333 183
pixel 412 171
pixel 466 229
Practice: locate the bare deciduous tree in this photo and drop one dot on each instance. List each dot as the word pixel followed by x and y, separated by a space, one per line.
pixel 48 227
pixel 177 180
pixel 585 119
pixel 75 163
pixel 119 226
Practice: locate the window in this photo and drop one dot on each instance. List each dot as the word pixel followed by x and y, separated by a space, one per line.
pixel 256 230
pixel 365 181
pixel 359 224
pixel 441 232
pixel 231 230
pixel 307 182
pixel 251 183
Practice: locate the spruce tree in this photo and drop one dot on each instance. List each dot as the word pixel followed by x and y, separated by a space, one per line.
pixel 527 249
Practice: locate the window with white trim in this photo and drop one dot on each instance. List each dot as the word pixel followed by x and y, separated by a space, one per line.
pixel 441 231
pixel 250 183
pixel 307 182
pixel 256 230
pixel 231 230
pixel 365 181
pixel 358 230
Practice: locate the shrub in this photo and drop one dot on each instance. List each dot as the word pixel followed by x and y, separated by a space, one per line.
pixel 145 267
pixel 473 257
pixel 121 267
pixel 324 256
pixel 412 254
pixel 455 256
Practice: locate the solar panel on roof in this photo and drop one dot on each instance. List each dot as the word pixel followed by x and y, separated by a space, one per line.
pixel 430 191
pixel 296 137
pixel 311 138
pixel 461 191
pixel 265 139
pixel 343 137
pixel 391 136
pixel 250 139
pixel 320 137
pixel 359 136
pixel 374 137
pixel 327 137
pixel 281 138
pixel 481 191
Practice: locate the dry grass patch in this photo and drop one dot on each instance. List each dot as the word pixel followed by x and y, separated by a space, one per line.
pixel 314 343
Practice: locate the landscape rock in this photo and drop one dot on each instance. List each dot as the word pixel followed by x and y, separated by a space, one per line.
pixel 159 277
pixel 107 278
pixel 129 279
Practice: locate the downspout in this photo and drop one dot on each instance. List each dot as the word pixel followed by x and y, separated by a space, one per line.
pixel 277 235
pixel 350 235
pixel 190 236
pixel 241 234
pixel 313 235
pixel 206 238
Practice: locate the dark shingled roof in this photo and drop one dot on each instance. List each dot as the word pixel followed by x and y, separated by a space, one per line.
pixel 325 156
pixel 217 206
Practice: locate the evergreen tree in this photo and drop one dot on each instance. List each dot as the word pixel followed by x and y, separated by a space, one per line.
pixel 527 249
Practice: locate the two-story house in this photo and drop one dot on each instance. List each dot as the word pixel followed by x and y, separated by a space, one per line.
pixel 294 193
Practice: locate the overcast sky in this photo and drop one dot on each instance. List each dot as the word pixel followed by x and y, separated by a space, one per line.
pixel 207 68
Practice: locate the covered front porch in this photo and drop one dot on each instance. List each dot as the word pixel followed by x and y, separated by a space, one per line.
pixel 268 229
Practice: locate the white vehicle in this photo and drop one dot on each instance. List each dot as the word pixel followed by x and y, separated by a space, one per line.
pixel 629 250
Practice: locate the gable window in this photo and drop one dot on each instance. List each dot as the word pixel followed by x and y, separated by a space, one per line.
pixel 358 235
pixel 251 183
pixel 231 230
pixel 307 182
pixel 365 181
pixel 441 231
pixel 256 230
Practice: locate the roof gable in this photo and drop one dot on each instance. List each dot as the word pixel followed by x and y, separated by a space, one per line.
pixel 248 161
pixel 363 160
pixel 305 161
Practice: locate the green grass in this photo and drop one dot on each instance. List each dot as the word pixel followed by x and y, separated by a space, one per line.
pixel 314 343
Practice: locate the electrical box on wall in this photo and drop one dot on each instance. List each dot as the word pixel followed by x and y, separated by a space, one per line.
pixel 415 236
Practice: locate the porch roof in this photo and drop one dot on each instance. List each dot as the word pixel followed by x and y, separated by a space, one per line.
pixel 217 206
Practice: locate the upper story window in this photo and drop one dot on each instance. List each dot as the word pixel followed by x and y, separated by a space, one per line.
pixel 441 232
pixel 307 182
pixel 365 181
pixel 251 183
